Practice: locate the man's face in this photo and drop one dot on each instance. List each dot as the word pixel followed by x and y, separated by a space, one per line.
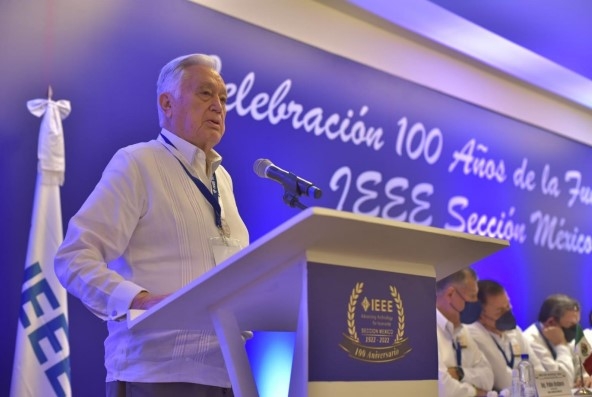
pixel 198 113
pixel 495 307
pixel 569 319
pixel 465 292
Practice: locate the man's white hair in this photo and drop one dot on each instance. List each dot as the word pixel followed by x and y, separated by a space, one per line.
pixel 172 73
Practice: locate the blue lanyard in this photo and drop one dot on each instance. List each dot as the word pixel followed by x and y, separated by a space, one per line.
pixel 549 345
pixel 212 197
pixel 458 349
pixel 510 362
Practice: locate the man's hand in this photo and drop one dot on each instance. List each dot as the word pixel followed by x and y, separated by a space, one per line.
pixel 480 392
pixel 587 382
pixel 453 372
pixel 555 335
pixel 145 300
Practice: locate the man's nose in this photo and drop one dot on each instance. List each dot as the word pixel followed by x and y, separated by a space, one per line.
pixel 217 104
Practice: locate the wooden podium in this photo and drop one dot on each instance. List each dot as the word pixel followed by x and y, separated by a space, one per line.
pixel 320 274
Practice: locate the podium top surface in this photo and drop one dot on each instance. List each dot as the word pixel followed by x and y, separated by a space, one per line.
pixel 372 237
pixel 265 264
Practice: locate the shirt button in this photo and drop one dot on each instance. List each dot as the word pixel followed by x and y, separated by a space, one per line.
pixel 114 313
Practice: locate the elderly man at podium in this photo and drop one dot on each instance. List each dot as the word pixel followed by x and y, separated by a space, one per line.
pixel 162 214
pixel 463 370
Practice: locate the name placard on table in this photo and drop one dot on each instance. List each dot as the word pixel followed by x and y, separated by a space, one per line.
pixel 552 384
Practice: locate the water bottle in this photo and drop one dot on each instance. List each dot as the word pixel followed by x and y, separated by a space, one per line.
pixel 515 389
pixel 526 380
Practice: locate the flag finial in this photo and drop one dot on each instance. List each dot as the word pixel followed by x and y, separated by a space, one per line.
pixel 49 92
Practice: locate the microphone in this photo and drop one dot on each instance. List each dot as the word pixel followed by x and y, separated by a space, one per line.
pixel 266 169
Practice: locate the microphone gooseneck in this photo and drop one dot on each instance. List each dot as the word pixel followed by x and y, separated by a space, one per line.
pixel 294 186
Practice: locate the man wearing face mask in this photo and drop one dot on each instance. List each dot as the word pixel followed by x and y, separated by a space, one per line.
pixel 549 338
pixel 498 336
pixel 463 371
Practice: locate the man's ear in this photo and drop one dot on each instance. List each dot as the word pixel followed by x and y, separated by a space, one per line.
pixel 165 101
pixel 551 322
pixel 449 292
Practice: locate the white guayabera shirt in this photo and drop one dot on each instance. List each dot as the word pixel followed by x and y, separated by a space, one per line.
pixel 476 368
pixel 146 226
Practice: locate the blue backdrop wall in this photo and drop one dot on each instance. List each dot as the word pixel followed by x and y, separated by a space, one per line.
pixel 374 143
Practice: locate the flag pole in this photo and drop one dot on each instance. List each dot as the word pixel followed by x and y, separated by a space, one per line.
pixel 582 390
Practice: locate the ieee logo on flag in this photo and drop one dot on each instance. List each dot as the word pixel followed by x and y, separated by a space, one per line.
pixel 46 330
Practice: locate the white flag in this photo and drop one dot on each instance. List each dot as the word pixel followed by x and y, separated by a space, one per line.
pixel 42 353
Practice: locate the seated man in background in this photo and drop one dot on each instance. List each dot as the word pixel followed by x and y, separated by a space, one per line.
pixel 550 336
pixel 463 371
pixel 498 336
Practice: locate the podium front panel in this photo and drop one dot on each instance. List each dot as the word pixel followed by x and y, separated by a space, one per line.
pixel 369 325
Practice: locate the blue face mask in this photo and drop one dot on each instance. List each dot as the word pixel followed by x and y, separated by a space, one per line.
pixel 471 312
pixel 506 322
pixel 569 333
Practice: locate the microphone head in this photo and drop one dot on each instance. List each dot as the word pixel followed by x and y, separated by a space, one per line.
pixel 260 166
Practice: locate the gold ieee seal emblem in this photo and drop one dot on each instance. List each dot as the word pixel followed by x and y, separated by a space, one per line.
pixel 375 327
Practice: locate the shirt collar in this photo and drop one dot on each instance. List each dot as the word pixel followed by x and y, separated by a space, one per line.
pixel 499 338
pixel 191 153
pixel 447 325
